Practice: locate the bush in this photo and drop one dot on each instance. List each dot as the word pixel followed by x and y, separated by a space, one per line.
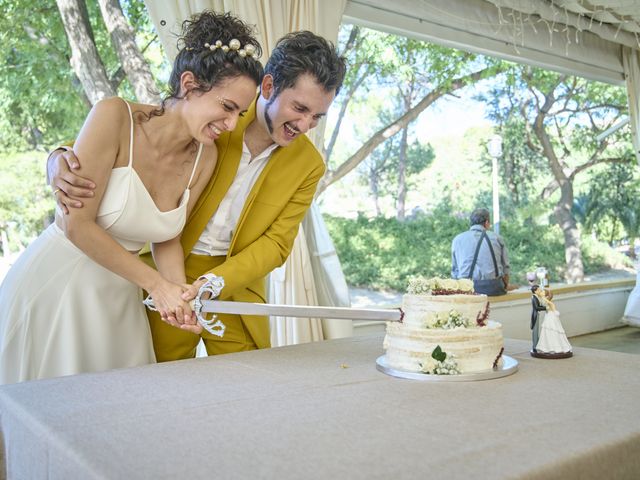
pixel 382 253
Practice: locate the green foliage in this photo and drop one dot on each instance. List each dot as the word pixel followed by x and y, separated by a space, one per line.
pixel 382 253
pixel 39 103
pixel 25 200
pixel 438 354
pixel 381 169
pixel 577 111
pixel 42 101
pixel 609 207
pixel 392 67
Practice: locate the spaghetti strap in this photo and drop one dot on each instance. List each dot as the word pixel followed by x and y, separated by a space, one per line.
pixel 130 134
pixel 195 165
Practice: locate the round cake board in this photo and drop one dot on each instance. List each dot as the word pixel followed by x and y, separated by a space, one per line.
pixel 509 366
pixel 551 356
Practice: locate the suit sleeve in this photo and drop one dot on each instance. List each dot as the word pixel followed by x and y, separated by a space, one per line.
pixel 537 305
pixel 272 248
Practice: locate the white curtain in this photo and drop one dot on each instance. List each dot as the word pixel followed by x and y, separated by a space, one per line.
pixel 295 285
pixel 631 62
pixel 312 273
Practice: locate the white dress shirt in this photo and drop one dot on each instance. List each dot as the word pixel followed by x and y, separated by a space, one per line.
pixel 216 237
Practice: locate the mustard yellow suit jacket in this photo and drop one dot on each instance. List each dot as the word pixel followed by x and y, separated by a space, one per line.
pixel 270 219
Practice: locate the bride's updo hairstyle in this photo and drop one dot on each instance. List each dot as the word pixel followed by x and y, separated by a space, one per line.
pixel 214 47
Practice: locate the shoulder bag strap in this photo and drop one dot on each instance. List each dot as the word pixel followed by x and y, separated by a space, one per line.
pixel 493 255
pixel 475 257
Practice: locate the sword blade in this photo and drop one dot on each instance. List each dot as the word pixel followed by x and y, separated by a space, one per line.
pixel 342 313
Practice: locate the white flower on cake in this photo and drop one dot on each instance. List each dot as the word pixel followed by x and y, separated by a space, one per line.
pixel 427 286
pixel 419 286
pixel 449 284
pixel 440 364
pixel 465 285
pixel 453 319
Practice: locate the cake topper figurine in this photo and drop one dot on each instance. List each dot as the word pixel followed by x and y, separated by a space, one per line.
pixel 548 336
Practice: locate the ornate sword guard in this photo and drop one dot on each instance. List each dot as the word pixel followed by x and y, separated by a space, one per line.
pixel 209 290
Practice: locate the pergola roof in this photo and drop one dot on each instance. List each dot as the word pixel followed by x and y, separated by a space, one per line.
pixel 574 36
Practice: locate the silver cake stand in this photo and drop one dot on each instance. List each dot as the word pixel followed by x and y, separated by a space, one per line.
pixel 509 366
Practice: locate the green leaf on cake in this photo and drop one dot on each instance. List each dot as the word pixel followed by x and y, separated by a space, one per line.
pixel 438 354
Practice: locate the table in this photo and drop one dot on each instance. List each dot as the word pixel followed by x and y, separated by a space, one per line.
pixel 323 411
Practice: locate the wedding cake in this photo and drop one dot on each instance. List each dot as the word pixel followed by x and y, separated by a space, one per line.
pixel 444 330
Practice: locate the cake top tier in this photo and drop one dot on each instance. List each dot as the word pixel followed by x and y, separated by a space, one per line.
pixel 439 286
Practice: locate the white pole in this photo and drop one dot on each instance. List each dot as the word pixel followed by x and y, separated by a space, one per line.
pixel 495 150
pixel 496 198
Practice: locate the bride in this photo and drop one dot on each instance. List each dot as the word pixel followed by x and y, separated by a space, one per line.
pixel 552 338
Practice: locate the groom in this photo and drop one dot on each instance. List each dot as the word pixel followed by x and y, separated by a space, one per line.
pixel 246 220
pixel 537 306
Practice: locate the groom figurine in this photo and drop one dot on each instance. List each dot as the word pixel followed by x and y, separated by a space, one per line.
pixel 537 306
pixel 246 220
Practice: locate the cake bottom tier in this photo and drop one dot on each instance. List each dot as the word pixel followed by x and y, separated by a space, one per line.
pixel 473 349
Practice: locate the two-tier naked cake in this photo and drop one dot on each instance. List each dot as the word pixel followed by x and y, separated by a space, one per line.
pixel 445 330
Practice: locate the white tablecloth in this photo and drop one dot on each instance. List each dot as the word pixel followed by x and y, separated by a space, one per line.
pixel 322 411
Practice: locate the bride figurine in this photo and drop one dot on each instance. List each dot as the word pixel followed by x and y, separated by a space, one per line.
pixel 552 341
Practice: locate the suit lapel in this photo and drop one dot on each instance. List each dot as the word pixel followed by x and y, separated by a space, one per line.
pixel 252 195
pixel 280 159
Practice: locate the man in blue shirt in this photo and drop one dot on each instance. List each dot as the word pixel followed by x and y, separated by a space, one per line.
pixel 464 247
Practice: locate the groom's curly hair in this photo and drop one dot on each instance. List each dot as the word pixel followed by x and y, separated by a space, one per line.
pixel 304 52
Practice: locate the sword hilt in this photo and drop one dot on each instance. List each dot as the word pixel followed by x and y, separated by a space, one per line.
pixel 212 288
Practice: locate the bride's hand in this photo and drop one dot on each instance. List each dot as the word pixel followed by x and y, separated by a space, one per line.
pixel 167 298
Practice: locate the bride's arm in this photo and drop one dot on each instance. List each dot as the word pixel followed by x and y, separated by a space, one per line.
pixel 97 147
pixel 169 256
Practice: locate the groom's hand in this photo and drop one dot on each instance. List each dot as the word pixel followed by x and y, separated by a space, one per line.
pixel 68 187
pixel 191 291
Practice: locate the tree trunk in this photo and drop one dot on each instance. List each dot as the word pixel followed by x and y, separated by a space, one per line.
pixel 562 211
pixel 614 231
pixel 402 160
pixel 402 181
pixel 572 247
pixel 133 63
pixel 343 109
pixel 373 185
pixel 85 61
pixel 632 248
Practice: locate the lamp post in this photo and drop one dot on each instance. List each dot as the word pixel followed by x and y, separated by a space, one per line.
pixel 495 150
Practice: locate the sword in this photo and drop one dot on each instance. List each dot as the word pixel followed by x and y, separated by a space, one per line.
pixel 307 311
pixel 211 289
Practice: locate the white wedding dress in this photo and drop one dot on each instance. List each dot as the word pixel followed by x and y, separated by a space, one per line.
pixel 552 338
pixel 632 309
pixel 61 313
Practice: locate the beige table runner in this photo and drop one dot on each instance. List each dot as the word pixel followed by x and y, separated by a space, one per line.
pixel 321 411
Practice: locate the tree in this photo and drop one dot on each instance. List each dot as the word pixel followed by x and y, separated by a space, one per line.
pixel 85 59
pixel 385 175
pixel 132 62
pixel 40 105
pixel 610 204
pixel 559 117
pixel 44 101
pixel 431 71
